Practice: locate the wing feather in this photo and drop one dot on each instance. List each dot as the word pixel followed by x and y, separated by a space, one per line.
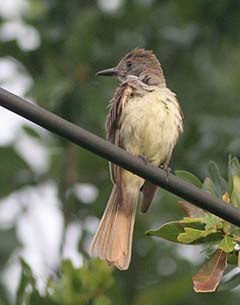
pixel 112 125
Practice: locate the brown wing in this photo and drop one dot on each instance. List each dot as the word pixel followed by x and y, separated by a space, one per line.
pixel 112 125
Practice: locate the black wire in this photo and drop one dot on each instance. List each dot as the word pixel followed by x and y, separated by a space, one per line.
pixel 117 155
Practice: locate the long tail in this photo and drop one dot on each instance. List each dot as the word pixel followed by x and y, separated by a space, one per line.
pixel 113 240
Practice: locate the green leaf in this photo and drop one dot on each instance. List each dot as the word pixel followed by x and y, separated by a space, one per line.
pixel 102 300
pixel 236 232
pixel 35 298
pixel 33 132
pixel 171 230
pixel 232 258
pixel 211 221
pixel 226 244
pixel 234 181
pixel 234 167
pixel 191 220
pixel 189 177
pixel 230 174
pixel 235 195
pixel 27 281
pixel 226 226
pixel 208 186
pixel 220 184
pixel 8 242
pixel 14 170
pixel 191 235
pixel 82 285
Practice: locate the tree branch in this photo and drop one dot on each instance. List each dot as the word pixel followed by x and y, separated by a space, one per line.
pixel 119 156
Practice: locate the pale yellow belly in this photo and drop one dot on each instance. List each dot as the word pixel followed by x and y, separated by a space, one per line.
pixel 150 127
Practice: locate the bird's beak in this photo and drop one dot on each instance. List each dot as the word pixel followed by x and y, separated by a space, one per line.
pixel 108 72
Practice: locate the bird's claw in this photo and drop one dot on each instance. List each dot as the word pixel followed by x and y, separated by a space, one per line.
pixel 168 170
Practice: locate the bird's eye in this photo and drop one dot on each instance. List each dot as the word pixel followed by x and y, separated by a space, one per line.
pixel 129 64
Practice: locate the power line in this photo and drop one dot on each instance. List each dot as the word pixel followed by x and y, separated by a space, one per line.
pixel 105 149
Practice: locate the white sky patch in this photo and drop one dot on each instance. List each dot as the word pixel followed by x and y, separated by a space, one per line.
pixel 85 192
pixel 91 224
pixel 70 250
pixel 39 229
pixel 11 275
pixel 15 79
pixel 13 76
pixel 27 37
pixel 9 126
pixel 36 154
pixel 33 152
pixel 10 208
pixel 109 6
pixel 13 8
pixel 193 254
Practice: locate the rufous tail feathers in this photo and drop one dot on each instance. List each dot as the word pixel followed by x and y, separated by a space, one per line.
pixel 113 240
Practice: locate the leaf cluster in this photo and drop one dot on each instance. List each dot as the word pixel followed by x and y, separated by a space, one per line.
pixel 221 238
pixel 79 286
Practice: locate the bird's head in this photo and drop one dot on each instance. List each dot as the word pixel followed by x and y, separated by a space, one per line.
pixel 138 62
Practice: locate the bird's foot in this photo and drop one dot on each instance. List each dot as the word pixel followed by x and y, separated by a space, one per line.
pixel 168 170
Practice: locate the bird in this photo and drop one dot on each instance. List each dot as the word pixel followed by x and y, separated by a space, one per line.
pixel 146 119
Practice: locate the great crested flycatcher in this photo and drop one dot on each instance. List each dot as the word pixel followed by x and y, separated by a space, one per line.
pixel 146 120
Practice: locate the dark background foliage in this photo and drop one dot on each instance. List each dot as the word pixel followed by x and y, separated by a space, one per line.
pixel 197 43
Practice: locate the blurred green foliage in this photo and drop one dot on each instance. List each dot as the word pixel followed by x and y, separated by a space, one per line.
pixel 198 46
pixel 85 285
